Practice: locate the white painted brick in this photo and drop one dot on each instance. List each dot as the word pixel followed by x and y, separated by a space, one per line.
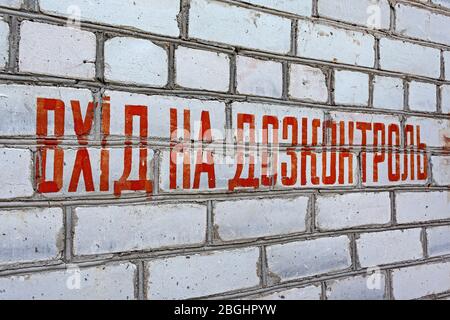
pixel 200 275
pixel 441 170
pixel 135 61
pixel 11 3
pixel 352 210
pixel 442 3
pixel 68 52
pixel 301 7
pixel 324 42
pixel 357 288
pixel 447 64
pixel 432 26
pixel 363 117
pixel 200 69
pixel 374 15
pixel 260 218
pixel 222 22
pixel 16 175
pixel 308 258
pixel 259 77
pixel 445 99
pixel 406 57
pixel 420 281
pixel 107 282
pixel 159 108
pixel 307 293
pixel 388 93
pixel 29 235
pixel 422 96
pixel 18 105
pixel 378 248
pixel 140 227
pixel 438 241
pixel 308 83
pixel 422 206
pixel 148 15
pixel 4 43
pixel 351 88
pixel 433 132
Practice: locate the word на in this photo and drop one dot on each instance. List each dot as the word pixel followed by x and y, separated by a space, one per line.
pixel 266 150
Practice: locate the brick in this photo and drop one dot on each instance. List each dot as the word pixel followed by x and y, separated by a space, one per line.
pixel 447 64
pixel 19 102
pixel 357 288
pixel 351 88
pixel 303 259
pixel 159 108
pixel 107 282
pixel 328 43
pixel 16 175
pixel 406 57
pixel 431 28
pixel 352 210
pixel 388 93
pixel 200 69
pixel 201 275
pixel 365 13
pixel 308 83
pixel 422 96
pixel 422 206
pixel 438 241
pixel 445 99
pixel 30 235
pixel 148 15
pixel 4 44
pixel 259 77
pixel 442 3
pixel 432 131
pixel 379 248
pixel 11 3
pixel 303 8
pixel 307 293
pixel 68 52
pixel 259 218
pixel 135 61
pixel 140 227
pixel 420 281
pixel 363 117
pixel 441 172
pixel 225 23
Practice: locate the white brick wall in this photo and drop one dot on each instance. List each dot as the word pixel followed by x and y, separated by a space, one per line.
pixel 370 287
pixel 11 3
pixel 102 229
pixel 303 259
pixel 200 69
pixel 67 52
pixel 4 43
pixel 17 178
pixel 441 170
pixel 135 61
pixel 386 247
pixel 332 44
pixel 111 282
pixel 352 210
pixel 308 293
pixel 202 275
pixel 308 83
pixel 445 99
pixel 302 7
pixel 388 93
pixel 260 218
pixel 438 241
pixel 218 22
pixel 422 206
pixel 259 77
pixel 447 64
pixel 419 281
pixel 351 88
pixel 422 96
pixel 30 235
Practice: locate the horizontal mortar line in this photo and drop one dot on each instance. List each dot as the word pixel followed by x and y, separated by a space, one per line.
pixel 114 258
pixel 321 278
pixel 92 26
pixel 210 95
pixel 200 197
